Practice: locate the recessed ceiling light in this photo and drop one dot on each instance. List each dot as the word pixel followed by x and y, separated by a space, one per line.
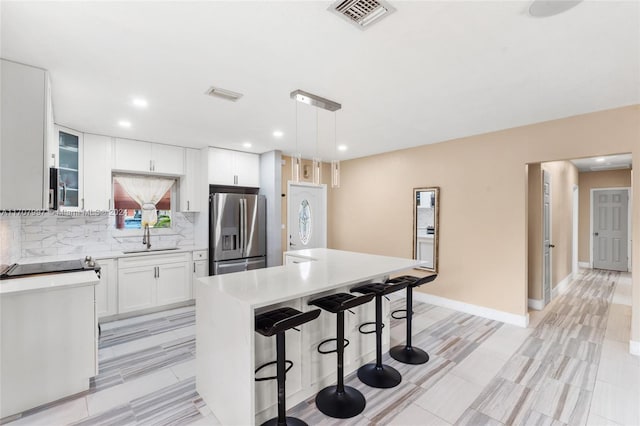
pixel 600 160
pixel 342 147
pixel 124 123
pixel 140 103
pixel 247 144
pixel 278 134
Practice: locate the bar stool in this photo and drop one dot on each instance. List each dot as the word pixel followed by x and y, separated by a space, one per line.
pixel 340 401
pixel 277 322
pixel 407 353
pixel 379 375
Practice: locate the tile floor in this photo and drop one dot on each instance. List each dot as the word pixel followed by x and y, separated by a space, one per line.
pixel 571 366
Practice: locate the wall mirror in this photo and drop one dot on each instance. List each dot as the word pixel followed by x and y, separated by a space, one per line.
pixel 426 202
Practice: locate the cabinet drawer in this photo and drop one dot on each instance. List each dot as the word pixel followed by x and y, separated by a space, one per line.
pixel 200 255
pixel 152 260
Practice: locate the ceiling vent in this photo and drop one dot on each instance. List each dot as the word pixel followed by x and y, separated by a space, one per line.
pixel 217 92
pixel 362 13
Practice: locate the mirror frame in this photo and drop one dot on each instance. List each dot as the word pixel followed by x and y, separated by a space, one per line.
pixel 436 225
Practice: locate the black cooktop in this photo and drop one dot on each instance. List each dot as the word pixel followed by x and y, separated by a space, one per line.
pixel 25 270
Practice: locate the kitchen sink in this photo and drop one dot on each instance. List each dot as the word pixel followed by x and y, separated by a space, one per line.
pixel 149 250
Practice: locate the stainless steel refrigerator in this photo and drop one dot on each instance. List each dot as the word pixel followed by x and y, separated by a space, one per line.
pixel 237 233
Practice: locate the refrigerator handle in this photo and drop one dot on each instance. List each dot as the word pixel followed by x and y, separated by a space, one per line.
pixel 241 242
pixel 244 243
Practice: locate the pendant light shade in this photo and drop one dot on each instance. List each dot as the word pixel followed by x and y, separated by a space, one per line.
pixel 335 174
pixel 296 166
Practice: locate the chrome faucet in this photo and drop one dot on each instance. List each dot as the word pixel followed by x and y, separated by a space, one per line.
pixel 146 237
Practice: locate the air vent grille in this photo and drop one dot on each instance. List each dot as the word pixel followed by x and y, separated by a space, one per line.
pixel 362 13
pixel 223 94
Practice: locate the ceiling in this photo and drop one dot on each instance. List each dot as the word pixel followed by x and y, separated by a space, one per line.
pixel 609 162
pixel 430 72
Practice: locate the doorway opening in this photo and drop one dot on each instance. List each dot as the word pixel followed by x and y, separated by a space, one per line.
pixel 561 213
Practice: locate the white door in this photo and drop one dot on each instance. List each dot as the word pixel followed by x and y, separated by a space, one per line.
pixel 174 283
pixel 546 237
pixel 610 224
pixel 167 159
pixel 132 155
pixel 307 216
pixel 136 288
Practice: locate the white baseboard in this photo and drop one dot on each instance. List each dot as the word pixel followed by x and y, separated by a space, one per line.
pixel 562 287
pixel 481 311
pixel 536 304
pixel 634 347
pixel 586 265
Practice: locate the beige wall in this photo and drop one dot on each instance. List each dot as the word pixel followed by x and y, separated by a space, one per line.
pixel 483 214
pixel 587 182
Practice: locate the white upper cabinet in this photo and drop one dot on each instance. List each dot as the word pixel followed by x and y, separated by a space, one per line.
pixel 191 183
pixel 24 137
pixel 96 172
pixel 167 159
pixel 70 147
pixel 146 157
pixel 132 155
pixel 233 168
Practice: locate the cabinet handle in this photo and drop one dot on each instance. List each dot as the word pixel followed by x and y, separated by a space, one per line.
pixel 194 267
pixel 150 165
pixel 188 205
pixel 235 179
pixel 83 204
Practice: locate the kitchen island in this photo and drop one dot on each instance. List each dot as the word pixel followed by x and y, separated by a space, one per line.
pixel 228 350
pixel 48 338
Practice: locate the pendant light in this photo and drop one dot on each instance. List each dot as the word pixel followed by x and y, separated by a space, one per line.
pixel 296 158
pixel 329 105
pixel 317 161
pixel 335 163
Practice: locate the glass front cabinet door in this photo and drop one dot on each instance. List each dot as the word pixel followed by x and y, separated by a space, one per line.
pixel 69 178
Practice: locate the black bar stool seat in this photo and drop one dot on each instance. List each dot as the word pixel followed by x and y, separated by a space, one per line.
pixel 278 322
pixel 407 353
pixel 379 375
pixel 340 401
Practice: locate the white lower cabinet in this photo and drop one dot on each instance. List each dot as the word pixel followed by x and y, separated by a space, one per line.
pixel 153 280
pixel 200 266
pixel 107 290
pixel 173 283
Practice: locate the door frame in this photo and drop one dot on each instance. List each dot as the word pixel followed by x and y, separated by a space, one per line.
pixel 574 238
pixel 629 221
pixel 322 186
pixel 542 175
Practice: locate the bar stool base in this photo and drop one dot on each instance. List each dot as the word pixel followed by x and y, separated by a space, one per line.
pixel 291 421
pixel 409 355
pixel 379 377
pixel 340 405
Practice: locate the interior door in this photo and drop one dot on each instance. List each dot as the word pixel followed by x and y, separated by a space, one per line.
pixel 307 216
pixel 610 226
pixel 546 237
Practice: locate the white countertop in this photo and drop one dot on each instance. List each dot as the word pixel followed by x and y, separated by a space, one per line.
pixel 105 255
pixel 46 282
pixel 327 269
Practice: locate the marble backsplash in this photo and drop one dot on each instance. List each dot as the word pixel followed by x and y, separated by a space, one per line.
pixel 10 238
pixel 51 234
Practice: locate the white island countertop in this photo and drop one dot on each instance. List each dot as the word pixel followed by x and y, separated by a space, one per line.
pixel 326 269
pixel 44 282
